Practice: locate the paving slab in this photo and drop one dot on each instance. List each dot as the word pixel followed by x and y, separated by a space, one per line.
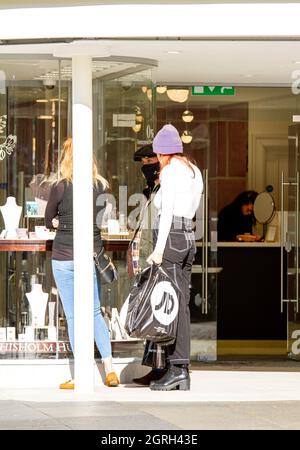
pixel 218 400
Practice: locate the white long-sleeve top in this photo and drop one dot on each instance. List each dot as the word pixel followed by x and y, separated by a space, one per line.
pixel 179 195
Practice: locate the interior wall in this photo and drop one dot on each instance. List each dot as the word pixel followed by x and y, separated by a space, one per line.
pixel 228 133
pixel 269 120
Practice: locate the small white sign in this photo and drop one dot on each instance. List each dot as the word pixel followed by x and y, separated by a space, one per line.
pixel 113 226
pixel 29 333
pixel 124 120
pixel 52 334
pixel 2 334
pixel 10 334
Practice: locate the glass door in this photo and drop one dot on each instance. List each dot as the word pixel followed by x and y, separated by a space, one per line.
pixel 203 303
pixel 290 245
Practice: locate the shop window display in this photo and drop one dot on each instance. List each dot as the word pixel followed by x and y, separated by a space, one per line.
pixel 34 121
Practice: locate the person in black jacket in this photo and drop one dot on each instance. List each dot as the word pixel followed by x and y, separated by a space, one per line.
pixel 149 166
pixel 59 215
pixel 154 356
pixel 237 218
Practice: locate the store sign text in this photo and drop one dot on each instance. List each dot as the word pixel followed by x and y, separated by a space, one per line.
pixel 34 347
pixel 296 344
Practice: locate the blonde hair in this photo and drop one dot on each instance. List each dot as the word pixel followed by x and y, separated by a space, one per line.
pixel 66 166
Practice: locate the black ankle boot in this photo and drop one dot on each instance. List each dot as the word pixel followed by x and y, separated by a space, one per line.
pixel 154 375
pixel 175 378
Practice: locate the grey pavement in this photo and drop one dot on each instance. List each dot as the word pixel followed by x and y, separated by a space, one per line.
pixel 228 396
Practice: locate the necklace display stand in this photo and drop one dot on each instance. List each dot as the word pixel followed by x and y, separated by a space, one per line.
pixel 11 214
pixel 38 302
pixel 51 328
pixel 51 312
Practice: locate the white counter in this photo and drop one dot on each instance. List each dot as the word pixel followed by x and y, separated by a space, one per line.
pixel 243 244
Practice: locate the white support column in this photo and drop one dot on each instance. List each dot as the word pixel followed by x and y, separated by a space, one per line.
pixel 83 222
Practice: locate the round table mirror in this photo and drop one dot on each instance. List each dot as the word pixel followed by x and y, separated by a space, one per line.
pixel 264 208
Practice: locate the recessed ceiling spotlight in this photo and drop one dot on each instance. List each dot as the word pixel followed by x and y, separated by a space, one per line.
pixel 187 116
pixel 296 62
pixel 186 137
pixel 178 95
pixel 161 89
pixel 173 52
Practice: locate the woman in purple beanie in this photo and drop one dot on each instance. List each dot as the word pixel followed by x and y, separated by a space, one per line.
pixel 177 202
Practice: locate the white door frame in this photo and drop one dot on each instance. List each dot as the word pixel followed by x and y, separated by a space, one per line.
pixel 257 157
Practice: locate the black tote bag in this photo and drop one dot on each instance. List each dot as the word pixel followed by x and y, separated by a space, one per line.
pixel 153 306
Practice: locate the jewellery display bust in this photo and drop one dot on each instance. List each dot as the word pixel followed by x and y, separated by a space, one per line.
pixel 11 214
pixel 38 302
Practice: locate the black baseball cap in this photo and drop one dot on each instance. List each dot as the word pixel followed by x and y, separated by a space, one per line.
pixel 144 152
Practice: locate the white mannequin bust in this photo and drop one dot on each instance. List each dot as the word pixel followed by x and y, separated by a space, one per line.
pixel 38 303
pixel 11 214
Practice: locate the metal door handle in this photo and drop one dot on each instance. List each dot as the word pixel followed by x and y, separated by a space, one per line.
pixel 199 269
pixel 287 243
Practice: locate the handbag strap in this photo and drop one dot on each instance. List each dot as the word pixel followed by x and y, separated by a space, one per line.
pixel 142 214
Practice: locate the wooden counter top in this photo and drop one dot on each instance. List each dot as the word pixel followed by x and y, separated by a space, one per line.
pixel 39 245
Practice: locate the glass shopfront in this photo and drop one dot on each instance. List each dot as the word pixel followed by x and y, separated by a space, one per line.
pixel 240 142
pixel 35 119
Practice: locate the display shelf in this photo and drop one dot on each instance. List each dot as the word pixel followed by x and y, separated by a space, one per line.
pixel 42 245
pixel 25 245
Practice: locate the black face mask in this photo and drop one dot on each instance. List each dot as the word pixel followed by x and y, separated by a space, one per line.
pixel 150 172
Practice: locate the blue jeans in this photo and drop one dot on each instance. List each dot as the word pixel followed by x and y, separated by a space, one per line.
pixel 63 272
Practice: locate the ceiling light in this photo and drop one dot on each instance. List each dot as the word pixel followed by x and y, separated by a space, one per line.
pixel 173 52
pixel 139 118
pixel 41 100
pixel 137 127
pixel 187 116
pixel 178 95
pixel 138 114
pixel 186 137
pixel 161 89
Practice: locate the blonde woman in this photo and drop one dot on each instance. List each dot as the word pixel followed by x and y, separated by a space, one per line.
pixel 59 214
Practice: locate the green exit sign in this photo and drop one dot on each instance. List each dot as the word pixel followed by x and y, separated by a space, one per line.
pixel 213 90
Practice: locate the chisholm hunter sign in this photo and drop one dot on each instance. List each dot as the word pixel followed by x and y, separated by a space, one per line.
pixel 35 347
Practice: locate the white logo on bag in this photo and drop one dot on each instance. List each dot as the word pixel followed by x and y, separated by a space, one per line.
pixel 164 302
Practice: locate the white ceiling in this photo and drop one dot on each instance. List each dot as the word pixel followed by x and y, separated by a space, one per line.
pixel 36 3
pixel 224 62
pixel 245 62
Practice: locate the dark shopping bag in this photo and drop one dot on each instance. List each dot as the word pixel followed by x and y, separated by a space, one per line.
pixel 153 306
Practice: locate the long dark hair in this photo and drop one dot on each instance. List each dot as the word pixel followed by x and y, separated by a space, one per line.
pixel 244 198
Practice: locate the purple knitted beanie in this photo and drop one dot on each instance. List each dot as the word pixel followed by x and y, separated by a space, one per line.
pixel 167 141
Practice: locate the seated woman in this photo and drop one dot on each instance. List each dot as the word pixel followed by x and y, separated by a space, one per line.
pixel 236 220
